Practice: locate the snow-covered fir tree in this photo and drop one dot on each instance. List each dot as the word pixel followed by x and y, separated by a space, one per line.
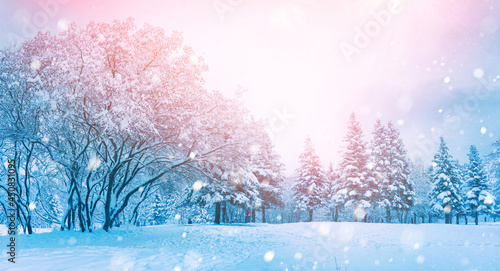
pixel 401 195
pixel 379 160
pixel 159 210
pixel 268 169
pixel 335 202
pixel 309 189
pixel 478 198
pixel 493 165
pixel 445 193
pixel 420 177
pixel 357 180
pixel 55 207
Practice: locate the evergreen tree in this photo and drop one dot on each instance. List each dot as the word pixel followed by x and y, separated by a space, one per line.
pixel 445 195
pixel 358 184
pixel 309 189
pixel 420 177
pixel 55 207
pixel 335 199
pixel 401 195
pixel 380 161
pixel 159 210
pixel 268 169
pixel 478 198
pixel 494 173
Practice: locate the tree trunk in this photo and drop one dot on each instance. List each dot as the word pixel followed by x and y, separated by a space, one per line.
pixel 253 215
pixel 430 219
pixel 335 214
pixel 476 218
pixel 458 218
pixel 224 212
pixel 28 225
pixel 217 212
pixel 263 214
pixel 388 215
pixel 447 218
pixel 414 218
pixel 310 215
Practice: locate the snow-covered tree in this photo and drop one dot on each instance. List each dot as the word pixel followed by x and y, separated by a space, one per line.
pixel 269 170
pixel 493 166
pixel 309 188
pixel 335 199
pixel 401 195
pixel 420 177
pixel 478 197
pixel 358 187
pixel 380 162
pixel 119 109
pixel 159 210
pixel 55 207
pixel 445 193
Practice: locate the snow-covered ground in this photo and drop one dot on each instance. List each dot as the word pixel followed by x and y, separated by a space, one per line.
pixel 298 246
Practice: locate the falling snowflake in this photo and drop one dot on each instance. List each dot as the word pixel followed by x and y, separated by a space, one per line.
pixel 72 241
pixel 269 256
pixel 62 25
pixel 35 64
pixel 478 73
pixel 197 185
pixel 297 256
pixel 359 213
pixel 255 148
pixel 447 209
pixel 94 163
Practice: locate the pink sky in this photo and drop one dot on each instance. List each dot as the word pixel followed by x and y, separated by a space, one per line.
pixel 288 55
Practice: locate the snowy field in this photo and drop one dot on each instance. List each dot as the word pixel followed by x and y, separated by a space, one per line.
pixel 299 246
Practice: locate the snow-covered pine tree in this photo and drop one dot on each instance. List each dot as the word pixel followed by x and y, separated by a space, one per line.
pixel 333 186
pixel 159 210
pixel 445 193
pixel 493 165
pixel 309 189
pixel 401 195
pixel 268 169
pixel 357 180
pixel 478 198
pixel 379 160
pixel 55 207
pixel 419 175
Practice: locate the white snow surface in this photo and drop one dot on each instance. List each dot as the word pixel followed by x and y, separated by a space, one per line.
pixel 354 246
